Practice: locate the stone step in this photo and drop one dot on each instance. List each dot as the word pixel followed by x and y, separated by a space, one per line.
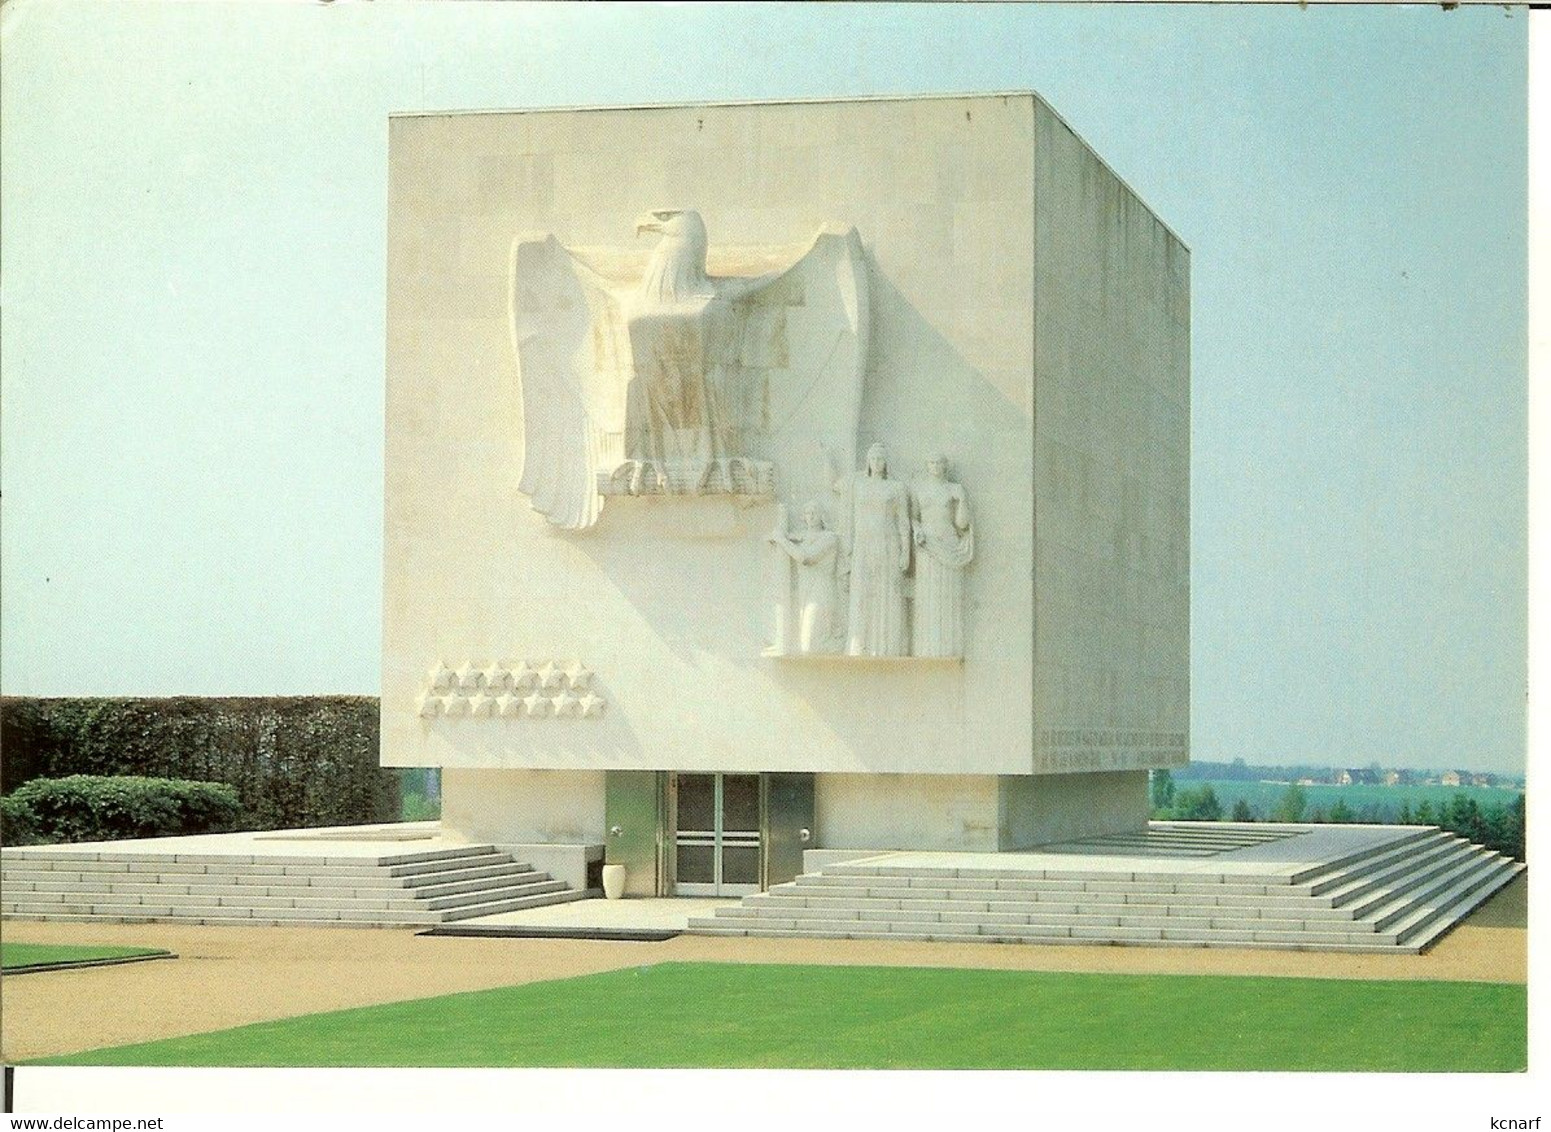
pixel 561 896
pixel 1425 927
pixel 267 873
pixel 137 914
pixel 1041 933
pixel 1123 918
pixel 404 889
pixel 1180 938
pixel 778 904
pixel 541 885
pixel 441 883
pixel 214 920
pixel 273 884
pixel 1347 887
pixel 1375 899
pixel 703 926
pixel 1033 880
pixel 967 888
pixel 1135 893
pixel 1408 913
pixel 1312 873
pixel 422 868
pixel 1342 875
pixel 110 860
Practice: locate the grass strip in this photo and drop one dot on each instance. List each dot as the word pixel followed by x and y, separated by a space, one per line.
pixel 680 1015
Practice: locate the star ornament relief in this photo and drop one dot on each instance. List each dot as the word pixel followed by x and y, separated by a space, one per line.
pixel 554 689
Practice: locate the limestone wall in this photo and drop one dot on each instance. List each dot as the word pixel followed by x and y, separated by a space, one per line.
pixel 666 602
pixel 1111 469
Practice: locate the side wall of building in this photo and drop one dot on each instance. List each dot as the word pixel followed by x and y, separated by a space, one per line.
pixel 1111 469
pixel 1041 808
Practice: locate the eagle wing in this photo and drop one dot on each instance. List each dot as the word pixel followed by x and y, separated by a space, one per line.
pixel 806 329
pixel 572 351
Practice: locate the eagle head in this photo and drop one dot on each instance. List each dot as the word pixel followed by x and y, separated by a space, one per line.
pixel 677 269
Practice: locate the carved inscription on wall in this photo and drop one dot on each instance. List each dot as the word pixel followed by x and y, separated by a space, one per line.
pixel 1100 748
pixel 518 689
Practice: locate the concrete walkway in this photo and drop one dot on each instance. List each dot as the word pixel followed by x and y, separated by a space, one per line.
pixel 647 914
pixel 230 976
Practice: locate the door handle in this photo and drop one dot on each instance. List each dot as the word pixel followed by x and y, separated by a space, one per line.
pixel 616 831
pixel 805 835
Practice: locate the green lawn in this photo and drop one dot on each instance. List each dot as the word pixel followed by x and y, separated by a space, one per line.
pixel 751 1015
pixel 30 954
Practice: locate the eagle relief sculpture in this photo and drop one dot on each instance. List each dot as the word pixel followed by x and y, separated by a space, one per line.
pixel 649 375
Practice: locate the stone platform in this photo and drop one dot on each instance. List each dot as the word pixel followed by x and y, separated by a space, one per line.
pixel 385 876
pixel 1305 887
pixel 634 917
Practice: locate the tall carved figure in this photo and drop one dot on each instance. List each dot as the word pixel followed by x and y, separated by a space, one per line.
pixel 945 542
pixel 880 556
pixel 815 553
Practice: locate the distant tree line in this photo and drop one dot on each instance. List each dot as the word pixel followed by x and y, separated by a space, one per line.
pixel 1498 826
pixel 1240 771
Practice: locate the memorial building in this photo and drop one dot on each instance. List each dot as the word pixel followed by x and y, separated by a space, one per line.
pixel 773 483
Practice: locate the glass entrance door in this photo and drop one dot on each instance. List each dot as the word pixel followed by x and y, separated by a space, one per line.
pixel 716 839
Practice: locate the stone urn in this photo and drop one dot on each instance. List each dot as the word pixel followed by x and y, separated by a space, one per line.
pixel 613 881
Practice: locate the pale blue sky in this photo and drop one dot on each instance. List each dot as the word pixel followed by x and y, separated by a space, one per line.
pixel 193 198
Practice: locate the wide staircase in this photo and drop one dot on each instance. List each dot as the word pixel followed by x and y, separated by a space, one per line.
pixel 388 890
pixel 1397 898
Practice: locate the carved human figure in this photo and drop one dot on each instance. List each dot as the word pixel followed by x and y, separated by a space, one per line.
pixel 815 552
pixel 880 556
pixel 945 543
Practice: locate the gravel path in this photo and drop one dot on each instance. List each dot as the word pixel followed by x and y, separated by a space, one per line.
pixel 231 976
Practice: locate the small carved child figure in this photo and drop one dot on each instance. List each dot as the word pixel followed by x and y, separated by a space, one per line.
pixel 815 551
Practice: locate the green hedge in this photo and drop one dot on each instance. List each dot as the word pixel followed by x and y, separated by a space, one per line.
pixel 18 824
pixel 294 761
pixel 88 807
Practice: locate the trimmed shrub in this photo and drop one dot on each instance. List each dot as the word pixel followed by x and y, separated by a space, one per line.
pixel 86 807
pixel 295 761
pixel 18 824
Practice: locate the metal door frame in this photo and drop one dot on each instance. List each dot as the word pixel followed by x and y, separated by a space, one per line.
pixel 718 838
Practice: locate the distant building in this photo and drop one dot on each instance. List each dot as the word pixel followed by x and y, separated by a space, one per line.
pixel 1449 778
pixel 1357 776
pixel 1392 778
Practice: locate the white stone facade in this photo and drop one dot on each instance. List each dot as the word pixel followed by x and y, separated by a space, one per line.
pixel 1026 317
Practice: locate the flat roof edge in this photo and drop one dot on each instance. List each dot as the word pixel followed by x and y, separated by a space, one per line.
pixel 691 103
pixel 943 96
